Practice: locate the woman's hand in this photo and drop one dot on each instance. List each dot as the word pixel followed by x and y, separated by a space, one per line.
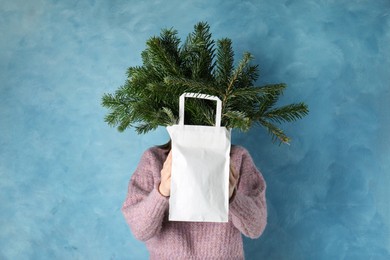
pixel 165 184
pixel 233 180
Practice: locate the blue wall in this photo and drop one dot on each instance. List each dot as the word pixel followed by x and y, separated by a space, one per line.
pixel 64 172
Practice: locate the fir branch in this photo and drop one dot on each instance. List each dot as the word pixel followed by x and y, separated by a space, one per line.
pixel 275 132
pixel 247 57
pixel 191 85
pixel 273 89
pixel 224 62
pixel 109 101
pixel 161 59
pixel 124 124
pixel 288 113
pixel 236 74
pixel 150 96
pixel 270 97
pixel 197 52
pixel 170 119
pixel 199 112
pixel 237 119
pixel 145 127
pixel 245 94
pixel 247 78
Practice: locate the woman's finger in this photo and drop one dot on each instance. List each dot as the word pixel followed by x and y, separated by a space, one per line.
pixel 234 172
pixel 231 178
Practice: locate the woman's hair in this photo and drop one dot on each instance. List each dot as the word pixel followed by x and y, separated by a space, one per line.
pixel 166 146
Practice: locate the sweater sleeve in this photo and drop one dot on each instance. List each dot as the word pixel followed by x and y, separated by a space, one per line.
pixel 248 206
pixel 144 207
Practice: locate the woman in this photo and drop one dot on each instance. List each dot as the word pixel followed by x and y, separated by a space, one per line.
pixel 146 210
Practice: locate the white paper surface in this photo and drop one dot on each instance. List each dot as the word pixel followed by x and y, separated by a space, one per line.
pixel 200 173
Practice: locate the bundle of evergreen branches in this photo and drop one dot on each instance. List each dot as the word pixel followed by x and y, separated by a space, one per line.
pixel 150 96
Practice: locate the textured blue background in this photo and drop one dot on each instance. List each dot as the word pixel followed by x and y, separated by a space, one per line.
pixel 64 172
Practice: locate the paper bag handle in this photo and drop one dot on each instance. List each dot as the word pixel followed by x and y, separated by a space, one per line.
pixel 201 96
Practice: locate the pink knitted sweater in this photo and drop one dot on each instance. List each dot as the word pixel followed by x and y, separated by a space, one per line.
pixel 146 212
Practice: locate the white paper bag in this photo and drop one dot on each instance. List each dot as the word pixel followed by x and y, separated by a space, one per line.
pixel 200 169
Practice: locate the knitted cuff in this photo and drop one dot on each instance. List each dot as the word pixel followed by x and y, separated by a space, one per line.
pixel 161 201
pixel 237 203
